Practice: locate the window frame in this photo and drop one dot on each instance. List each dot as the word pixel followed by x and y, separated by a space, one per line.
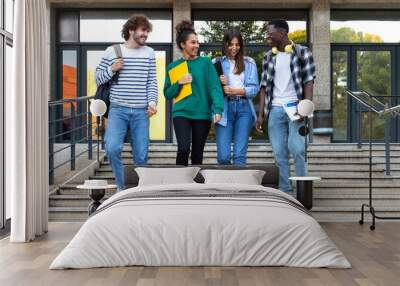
pixel 352 118
pixel 6 39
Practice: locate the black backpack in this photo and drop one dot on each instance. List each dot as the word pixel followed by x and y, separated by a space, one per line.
pixel 218 68
pixel 103 91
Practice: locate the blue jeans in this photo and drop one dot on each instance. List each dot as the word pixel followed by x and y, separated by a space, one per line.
pixel 119 119
pixel 239 123
pixel 284 137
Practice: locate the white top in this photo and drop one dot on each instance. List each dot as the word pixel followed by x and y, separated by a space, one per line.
pixel 235 80
pixel 284 90
pixel 96 184
pixel 305 178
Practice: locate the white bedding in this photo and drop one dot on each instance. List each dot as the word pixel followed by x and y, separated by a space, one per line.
pixel 188 231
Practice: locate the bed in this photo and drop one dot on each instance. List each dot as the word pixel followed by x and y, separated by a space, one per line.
pixel 201 224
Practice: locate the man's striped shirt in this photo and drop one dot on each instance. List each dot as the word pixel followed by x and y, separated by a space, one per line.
pixel 137 82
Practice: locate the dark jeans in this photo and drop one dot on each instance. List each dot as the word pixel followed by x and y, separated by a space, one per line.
pixel 189 131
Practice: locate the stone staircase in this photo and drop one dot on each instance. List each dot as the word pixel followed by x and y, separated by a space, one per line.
pixel 338 197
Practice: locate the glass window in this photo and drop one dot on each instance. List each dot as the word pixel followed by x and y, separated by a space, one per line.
pixel 211 24
pixel 106 26
pixel 158 121
pixel 68 27
pixel 69 86
pixel 340 99
pixel 365 26
pixel 374 76
pixel 9 70
pixel 9 9
pixel 93 59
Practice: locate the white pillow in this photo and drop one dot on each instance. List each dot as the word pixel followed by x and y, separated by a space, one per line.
pixel 248 177
pixel 166 176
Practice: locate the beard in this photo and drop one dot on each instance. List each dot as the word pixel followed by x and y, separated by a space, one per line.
pixel 140 40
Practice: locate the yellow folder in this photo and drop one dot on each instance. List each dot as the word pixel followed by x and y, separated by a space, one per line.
pixel 176 74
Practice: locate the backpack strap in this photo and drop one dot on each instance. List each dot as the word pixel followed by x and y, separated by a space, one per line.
pixel 118 53
pixel 117 50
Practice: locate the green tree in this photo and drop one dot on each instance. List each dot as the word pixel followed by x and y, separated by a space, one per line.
pixel 252 31
pixel 373 75
pixel 298 36
pixel 349 35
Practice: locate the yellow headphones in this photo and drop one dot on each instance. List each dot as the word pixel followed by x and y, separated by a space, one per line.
pixel 288 49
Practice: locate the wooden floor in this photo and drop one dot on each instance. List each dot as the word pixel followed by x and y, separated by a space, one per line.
pixel 375 257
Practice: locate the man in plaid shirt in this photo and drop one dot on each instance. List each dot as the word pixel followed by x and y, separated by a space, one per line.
pixel 288 77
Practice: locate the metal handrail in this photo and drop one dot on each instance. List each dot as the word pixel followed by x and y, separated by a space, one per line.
pixel 69 131
pixel 387 130
pixel 80 131
pixel 69 100
pixel 68 117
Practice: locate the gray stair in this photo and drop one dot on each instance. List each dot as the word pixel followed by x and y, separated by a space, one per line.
pixel 338 197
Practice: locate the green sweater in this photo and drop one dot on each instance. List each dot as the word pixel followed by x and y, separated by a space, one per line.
pixel 206 98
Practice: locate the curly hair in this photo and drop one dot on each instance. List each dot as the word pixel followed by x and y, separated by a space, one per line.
pixel 183 30
pixel 134 22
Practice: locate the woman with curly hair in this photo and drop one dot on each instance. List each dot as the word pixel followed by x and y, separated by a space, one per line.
pixel 192 115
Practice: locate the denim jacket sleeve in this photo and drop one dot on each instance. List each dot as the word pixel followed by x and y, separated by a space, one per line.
pixel 251 81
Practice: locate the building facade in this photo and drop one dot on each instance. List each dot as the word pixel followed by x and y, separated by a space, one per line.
pixel 81 30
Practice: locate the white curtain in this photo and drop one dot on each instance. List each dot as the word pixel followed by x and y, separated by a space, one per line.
pixel 27 122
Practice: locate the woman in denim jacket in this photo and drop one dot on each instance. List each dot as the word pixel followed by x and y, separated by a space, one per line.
pixel 240 84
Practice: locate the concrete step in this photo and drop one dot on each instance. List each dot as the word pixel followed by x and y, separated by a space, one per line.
pixel 68 214
pixel 356 182
pixel 379 201
pixel 327 181
pixel 376 196
pixel 318 190
pixel 311 167
pixel 68 192
pixel 320 200
pixel 352 175
pixel 74 200
pixel 269 153
pixel 265 160
pixel 342 191
pixel 311 161
pixel 267 146
pixel 322 174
